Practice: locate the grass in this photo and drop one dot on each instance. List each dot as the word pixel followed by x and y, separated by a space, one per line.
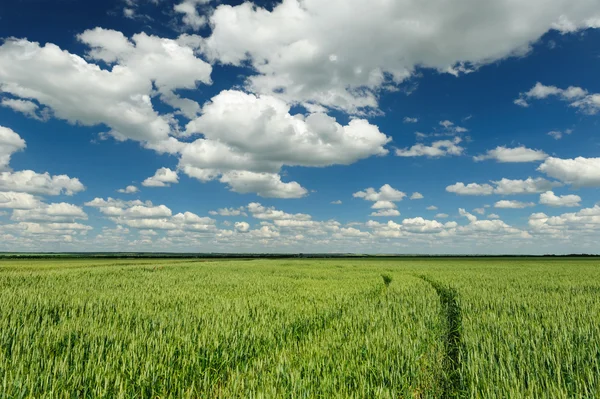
pixel 297 328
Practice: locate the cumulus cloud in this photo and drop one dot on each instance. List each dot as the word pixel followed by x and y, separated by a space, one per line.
pixel 60 212
pixel 82 92
pixel 147 216
pixel 504 187
pixel 163 177
pixel 511 204
pixel 576 97
pixel 408 119
pixel 470 189
pixel 441 215
pixel 128 190
pixel 229 212
pixel 579 172
pixel 551 199
pixel 12 200
pixel 28 181
pixel 242 227
pixel 26 107
pixel 518 154
pixel 383 199
pixel 432 208
pixel 386 213
pixel 10 142
pixel 416 196
pixel 191 16
pixel 297 57
pixel 336 202
pixel 437 149
pixel 267 185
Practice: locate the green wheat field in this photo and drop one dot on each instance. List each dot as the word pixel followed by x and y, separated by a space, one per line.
pixel 300 328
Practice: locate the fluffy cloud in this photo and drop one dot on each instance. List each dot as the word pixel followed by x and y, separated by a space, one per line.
pixel 483 228
pixel 527 186
pixel 297 57
pixel 10 142
pixel 336 202
pixel 432 208
pixel 128 190
pixel 408 119
pixel 12 200
pixel 261 212
pixel 26 107
pixel 229 212
pixel 163 177
pixel 518 154
pixel 383 205
pixel 509 204
pixel 267 185
pixel 551 199
pixel 436 149
pixel 416 196
pixel 146 216
pixel 191 17
pixel 242 227
pixel 120 97
pixel 580 172
pixel 247 139
pixel 386 193
pixel 28 181
pixel 568 225
pixel 470 189
pixel 504 187
pixel 61 212
pixel 576 97
pixel 386 213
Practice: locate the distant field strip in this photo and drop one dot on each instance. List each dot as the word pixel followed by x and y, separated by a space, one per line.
pixel 298 328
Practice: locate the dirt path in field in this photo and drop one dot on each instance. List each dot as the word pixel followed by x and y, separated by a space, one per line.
pixel 452 339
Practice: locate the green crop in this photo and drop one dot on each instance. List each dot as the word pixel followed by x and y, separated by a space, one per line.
pixel 297 328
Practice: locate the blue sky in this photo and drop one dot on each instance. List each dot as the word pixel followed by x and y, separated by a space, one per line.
pixel 239 126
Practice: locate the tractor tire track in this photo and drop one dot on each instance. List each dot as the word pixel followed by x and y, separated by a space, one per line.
pixel 453 386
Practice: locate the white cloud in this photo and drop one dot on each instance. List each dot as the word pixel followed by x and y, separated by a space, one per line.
pixel 436 149
pixel 308 51
pixel 483 228
pixel 61 212
pixel 242 227
pixel 480 211
pixel 441 215
pixel 518 154
pixel 248 138
pixel 511 204
pixel 28 181
pixel 267 185
pixel 26 107
pixel 163 177
pixel 128 190
pixel 12 200
pixel 504 187
pixel 10 142
pixel 493 216
pixel 416 196
pixel 527 186
pixel 82 92
pixel 383 205
pixel 261 212
pixel 337 202
pixel 551 199
pixel 576 97
pixel 432 208
pixel 580 172
pixel 470 189
pixel 386 213
pixel 557 135
pixel 229 212
pixel 386 194
pixel 408 119
pixel 191 17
